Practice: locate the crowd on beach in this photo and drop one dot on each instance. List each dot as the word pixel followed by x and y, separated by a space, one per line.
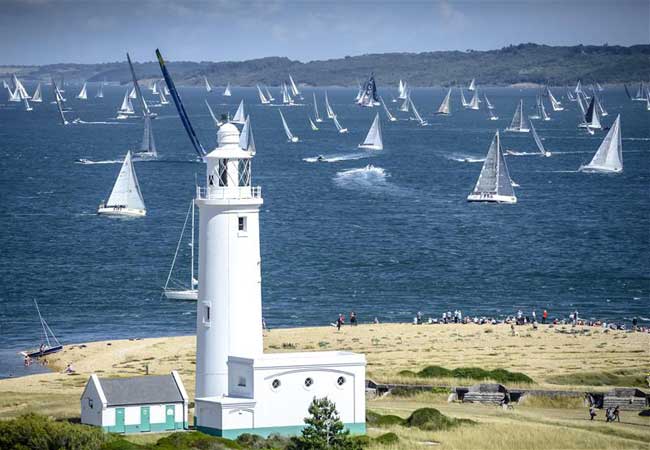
pixel 457 317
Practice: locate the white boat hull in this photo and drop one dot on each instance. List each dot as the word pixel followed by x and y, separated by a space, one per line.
pixel 370 147
pixel 598 169
pixel 120 211
pixel 187 294
pixel 491 198
pixel 518 130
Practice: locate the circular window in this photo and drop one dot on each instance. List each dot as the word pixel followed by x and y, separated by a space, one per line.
pixel 340 381
pixel 275 384
pixel 309 382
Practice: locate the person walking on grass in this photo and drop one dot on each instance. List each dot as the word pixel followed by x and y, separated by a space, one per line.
pixel 592 412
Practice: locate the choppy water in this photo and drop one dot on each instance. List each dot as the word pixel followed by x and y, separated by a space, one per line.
pixel 385 240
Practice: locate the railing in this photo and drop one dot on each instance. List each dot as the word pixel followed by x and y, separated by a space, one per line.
pixel 222 193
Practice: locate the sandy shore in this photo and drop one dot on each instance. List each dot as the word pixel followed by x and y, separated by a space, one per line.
pixel 389 348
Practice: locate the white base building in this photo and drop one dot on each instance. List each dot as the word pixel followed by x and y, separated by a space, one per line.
pixel 239 389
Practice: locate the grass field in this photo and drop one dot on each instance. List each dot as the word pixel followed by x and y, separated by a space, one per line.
pixel 553 357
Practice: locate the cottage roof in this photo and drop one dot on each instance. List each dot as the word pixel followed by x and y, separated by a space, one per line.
pixel 150 389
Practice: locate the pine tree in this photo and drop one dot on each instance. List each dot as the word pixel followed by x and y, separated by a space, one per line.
pixel 324 429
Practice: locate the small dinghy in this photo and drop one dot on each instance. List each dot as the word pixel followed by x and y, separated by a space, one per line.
pixel 373 139
pixel 181 292
pixel 494 184
pixel 49 344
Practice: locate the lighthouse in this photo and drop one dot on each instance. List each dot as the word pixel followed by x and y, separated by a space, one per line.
pixel 229 307
pixel 239 388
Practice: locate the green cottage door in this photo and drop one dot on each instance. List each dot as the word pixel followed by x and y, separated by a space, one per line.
pixel 145 424
pixel 119 421
pixel 170 415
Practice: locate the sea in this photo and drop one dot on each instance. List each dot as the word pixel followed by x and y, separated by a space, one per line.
pixel 382 233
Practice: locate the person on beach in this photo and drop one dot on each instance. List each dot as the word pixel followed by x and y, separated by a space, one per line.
pixel 544 316
pixel 353 318
pixel 339 322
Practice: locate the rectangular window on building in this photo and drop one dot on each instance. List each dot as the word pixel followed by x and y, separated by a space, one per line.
pixel 223 172
pixel 206 313
pixel 242 224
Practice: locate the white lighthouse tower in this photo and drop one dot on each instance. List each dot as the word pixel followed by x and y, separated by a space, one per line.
pixel 239 389
pixel 229 310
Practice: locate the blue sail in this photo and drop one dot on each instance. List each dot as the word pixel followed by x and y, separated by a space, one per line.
pixel 180 108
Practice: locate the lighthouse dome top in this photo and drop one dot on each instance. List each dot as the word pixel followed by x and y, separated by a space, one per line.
pixel 227 134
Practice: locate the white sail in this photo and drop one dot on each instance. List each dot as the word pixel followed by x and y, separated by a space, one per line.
pixel 59 104
pixel 555 104
pixel 14 96
pixel 543 110
pixel 494 183
pixel 538 141
pixel 240 115
pixel 294 89
pixel 246 140
pixel 83 94
pixel 126 191
pixel 226 92
pixel 133 94
pixel 126 108
pixel 406 105
pixel 18 86
pixel 463 101
pixel 487 102
pixel 538 109
pixel 444 108
pixel 519 123
pixel 148 145
pixel 312 125
pixel 328 108
pixel 316 114
pixel 373 139
pixel 339 127
pixel 154 88
pixel 290 136
pixel 38 96
pixel 599 105
pixel 387 111
pixel 473 104
pixel 592 117
pixel 166 90
pixel 207 84
pixel 609 156
pixel 214 118
pixel 286 95
pixel 404 92
pixel 100 91
pixel 400 88
pixel 472 85
pixel 263 98
pixel 268 94
pixel 163 99
pixel 416 113
pixel 578 88
pixel 190 292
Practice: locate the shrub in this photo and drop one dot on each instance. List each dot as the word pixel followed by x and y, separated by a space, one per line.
pixel 324 429
pixel 430 419
pixel 255 442
pixel 475 373
pixel 387 439
pixel 434 372
pixel 194 440
pixel 378 420
pixel 406 373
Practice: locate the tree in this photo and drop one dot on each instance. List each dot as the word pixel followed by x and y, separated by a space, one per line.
pixel 324 429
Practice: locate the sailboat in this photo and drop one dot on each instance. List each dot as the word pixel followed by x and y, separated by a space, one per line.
pixel 59 104
pixel 240 115
pixel 444 108
pixel 472 85
pixel 473 104
pixel 294 89
pixel 463 101
pixel 207 84
pixel 126 109
pixel 538 107
pixel 100 91
pixel 312 125
pixel 268 94
pixel 38 96
pixel 148 146
pixel 406 104
pixel 217 123
pixel 286 95
pixel 316 114
pixel 133 94
pixel 609 156
pixel 226 92
pixel 28 107
pixel 647 100
pixel 328 108
pixel 18 86
pixel 387 111
pixel 570 96
pixel 373 139
pixel 338 125
pixel 417 114
pixel 126 198
pixel 494 183
pixel 290 136
pixel 401 90
pixel 47 346
pixel 163 99
pixel 542 110
pixel 369 97
pixel 146 112
pixel 487 102
pixel 83 94
pixel 555 104
pixel 490 111
pixel 263 98
pixel 246 139
pixel 519 124
pixel 592 119
pixel 14 96
pixel 599 106
pixel 154 87
pixel 538 141
pixel 183 293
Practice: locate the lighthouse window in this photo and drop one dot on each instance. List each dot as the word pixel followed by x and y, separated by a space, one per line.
pixel 242 224
pixel 223 172
pixel 275 384
pixel 309 382
pixel 340 381
pixel 244 172
pixel 206 314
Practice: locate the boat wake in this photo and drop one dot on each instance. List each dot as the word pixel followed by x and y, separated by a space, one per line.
pixel 337 157
pixel 88 161
pixel 515 153
pixel 369 178
pixel 83 122
pixel 465 158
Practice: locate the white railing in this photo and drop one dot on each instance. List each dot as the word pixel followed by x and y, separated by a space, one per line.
pixel 221 193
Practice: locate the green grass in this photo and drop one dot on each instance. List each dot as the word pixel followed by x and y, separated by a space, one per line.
pixel 471 373
pixel 622 377
pixel 427 419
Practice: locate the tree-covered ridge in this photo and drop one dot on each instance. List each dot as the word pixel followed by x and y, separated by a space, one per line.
pixel 523 63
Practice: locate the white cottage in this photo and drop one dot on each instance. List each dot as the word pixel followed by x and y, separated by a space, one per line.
pixel 239 389
pixel 136 404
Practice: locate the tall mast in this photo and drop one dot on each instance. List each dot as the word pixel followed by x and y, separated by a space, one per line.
pixel 192 251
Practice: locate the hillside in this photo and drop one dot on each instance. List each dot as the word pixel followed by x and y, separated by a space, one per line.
pixel 524 63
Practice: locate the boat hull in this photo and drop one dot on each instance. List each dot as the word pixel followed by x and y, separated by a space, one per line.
pixel 187 294
pixel 39 353
pixel 598 169
pixel 370 147
pixel 119 211
pixel 518 130
pixel 491 198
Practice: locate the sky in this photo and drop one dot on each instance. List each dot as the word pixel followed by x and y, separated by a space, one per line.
pixel 92 31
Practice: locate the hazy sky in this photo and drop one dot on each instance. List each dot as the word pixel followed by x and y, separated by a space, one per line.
pixel 50 31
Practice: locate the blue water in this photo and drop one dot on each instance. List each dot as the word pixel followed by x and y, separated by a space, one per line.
pixel 385 242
